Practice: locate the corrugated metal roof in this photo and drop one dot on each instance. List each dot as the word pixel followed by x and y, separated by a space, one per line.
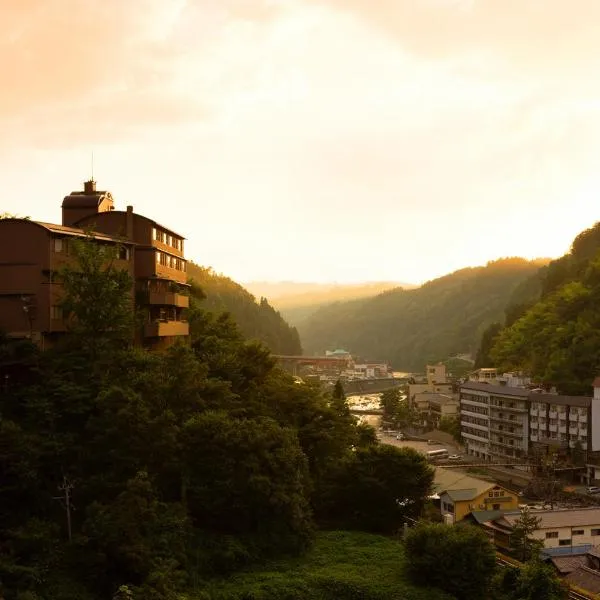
pixel 567 517
pixel 74 231
pixel 567 564
pixel 585 578
pixel 446 480
pixel 462 495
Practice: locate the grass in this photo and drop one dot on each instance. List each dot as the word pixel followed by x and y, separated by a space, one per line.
pixel 341 566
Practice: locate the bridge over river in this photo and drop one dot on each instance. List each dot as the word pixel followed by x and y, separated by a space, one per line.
pixel 358 387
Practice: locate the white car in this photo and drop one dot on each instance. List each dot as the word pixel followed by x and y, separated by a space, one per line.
pixel 455 457
pixel 593 489
pixel 400 436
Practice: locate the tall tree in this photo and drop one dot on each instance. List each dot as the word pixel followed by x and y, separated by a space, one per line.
pixel 98 300
pixel 394 480
pixel 523 543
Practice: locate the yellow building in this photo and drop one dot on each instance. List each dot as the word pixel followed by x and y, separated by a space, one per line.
pixel 461 494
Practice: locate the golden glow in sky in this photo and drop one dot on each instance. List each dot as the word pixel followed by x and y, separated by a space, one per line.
pixel 312 140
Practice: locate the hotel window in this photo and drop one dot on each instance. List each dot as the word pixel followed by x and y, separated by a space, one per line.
pixel 168 240
pixel 154 233
pixel 564 542
pixel 551 534
pixel 58 245
pixel 158 257
pixel 595 532
pixel 56 313
pixel 123 253
pixel 577 532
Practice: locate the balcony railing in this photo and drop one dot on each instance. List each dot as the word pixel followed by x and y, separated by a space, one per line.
pixel 169 299
pixel 166 328
pixel 533 412
pixel 517 422
pixel 517 434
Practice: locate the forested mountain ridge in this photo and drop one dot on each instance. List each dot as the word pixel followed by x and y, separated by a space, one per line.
pixel 554 334
pixel 297 301
pixel 256 320
pixel 408 328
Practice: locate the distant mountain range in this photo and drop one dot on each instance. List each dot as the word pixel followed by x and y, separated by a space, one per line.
pixel 409 328
pixel 297 301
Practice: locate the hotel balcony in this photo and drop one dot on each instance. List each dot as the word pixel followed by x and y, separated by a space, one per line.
pixel 515 434
pixel 562 429
pixel 552 414
pixel 573 430
pixel 533 437
pixel 169 299
pixel 533 412
pixel 553 428
pixel 583 418
pixel 470 436
pixel 515 422
pixel 474 425
pixel 166 328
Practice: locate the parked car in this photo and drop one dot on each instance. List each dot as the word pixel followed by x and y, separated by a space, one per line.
pixel 400 436
pixel 455 457
pixel 593 489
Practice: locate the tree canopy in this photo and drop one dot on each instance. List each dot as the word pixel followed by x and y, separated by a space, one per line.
pixel 255 320
pixel 141 475
pixel 555 338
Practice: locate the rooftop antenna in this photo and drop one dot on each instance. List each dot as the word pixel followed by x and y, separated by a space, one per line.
pixel 92 166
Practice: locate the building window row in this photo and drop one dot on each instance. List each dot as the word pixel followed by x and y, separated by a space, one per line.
pixel 166 238
pixel 474 420
pixel 166 260
pixel 474 398
pixel 476 432
pixel 480 410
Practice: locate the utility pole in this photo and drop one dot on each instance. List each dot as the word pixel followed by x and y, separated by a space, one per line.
pixel 66 488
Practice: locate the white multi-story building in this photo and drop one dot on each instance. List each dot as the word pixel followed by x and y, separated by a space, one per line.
pixel 494 421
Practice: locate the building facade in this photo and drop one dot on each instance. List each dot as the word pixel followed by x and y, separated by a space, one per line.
pixel 31 253
pixel 494 421
pixel 562 531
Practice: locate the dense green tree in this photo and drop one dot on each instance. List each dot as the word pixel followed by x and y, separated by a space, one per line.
pixel 522 541
pixel 538 581
pixel 483 358
pixel 256 320
pixel 97 300
pixel 258 481
pixel 553 335
pixel 376 489
pixel 578 454
pixel 460 560
pixel 390 402
pixel 451 425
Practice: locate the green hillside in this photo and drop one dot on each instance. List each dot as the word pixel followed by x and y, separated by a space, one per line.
pixel 297 301
pixel 409 328
pixel 554 334
pixel 256 320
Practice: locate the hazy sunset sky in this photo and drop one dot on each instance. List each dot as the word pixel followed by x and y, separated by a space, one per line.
pixel 312 140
